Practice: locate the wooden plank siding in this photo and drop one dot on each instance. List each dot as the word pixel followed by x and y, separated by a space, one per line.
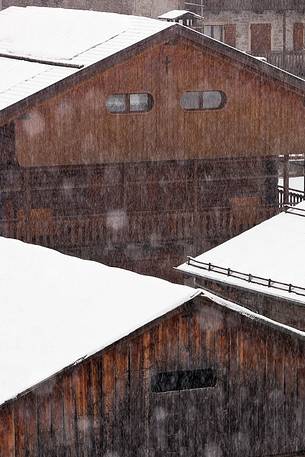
pixel 143 191
pixel 289 311
pixel 261 117
pixel 145 216
pixel 104 405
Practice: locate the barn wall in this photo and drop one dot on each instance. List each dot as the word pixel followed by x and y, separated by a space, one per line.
pixel 290 312
pixel 261 117
pixel 104 405
pixel 144 216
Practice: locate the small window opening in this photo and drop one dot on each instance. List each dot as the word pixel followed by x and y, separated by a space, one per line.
pixel 203 100
pixel 183 380
pixel 129 103
pixel 214 31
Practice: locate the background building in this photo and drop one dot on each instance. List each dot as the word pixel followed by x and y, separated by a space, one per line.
pixel 270 29
pixel 113 150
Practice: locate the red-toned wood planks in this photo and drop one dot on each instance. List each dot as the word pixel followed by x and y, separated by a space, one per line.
pixel 75 127
pixel 104 404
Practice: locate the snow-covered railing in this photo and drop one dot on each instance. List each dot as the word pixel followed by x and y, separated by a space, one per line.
pixel 250 278
pixel 294 196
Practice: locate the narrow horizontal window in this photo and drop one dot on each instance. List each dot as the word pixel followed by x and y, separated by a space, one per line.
pixel 203 100
pixel 183 380
pixel 129 103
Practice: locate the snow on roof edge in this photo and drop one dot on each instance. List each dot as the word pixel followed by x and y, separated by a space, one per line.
pixel 228 304
pixel 176 14
pixel 240 284
pixel 197 292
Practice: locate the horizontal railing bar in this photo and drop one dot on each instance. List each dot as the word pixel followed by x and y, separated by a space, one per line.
pixel 290 189
pixel 247 277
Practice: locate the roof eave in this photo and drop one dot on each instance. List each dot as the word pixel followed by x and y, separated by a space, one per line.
pixel 288 80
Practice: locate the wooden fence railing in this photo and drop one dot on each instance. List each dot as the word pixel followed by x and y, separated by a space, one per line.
pixel 66 233
pixel 248 277
pixel 291 61
pixel 294 197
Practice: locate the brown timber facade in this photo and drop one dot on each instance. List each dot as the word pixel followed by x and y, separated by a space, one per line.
pixel 252 403
pixel 287 311
pixel 144 190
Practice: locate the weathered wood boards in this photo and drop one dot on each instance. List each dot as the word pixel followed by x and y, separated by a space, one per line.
pixel 105 404
pixel 144 190
pixel 261 116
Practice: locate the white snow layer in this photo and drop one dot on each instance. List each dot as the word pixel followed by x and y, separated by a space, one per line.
pixel 252 315
pixel 56 309
pixel 174 14
pixel 274 249
pixel 13 72
pixel 296 183
pixel 60 34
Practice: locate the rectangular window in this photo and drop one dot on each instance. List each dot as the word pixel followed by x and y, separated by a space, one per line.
pixel 203 100
pixel 230 34
pixel 183 380
pixel 129 103
pixel 298 36
pixel 214 31
pixel 260 38
pixel 139 102
pixel 117 103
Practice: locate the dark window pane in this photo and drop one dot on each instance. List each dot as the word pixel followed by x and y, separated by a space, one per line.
pixel 183 380
pixel 203 100
pixel 140 102
pixel 116 103
pixel 211 99
pixel 190 100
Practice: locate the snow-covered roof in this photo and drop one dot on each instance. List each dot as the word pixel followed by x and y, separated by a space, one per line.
pixel 178 14
pixel 41 46
pixel 56 309
pixel 295 183
pixel 61 46
pixel 268 258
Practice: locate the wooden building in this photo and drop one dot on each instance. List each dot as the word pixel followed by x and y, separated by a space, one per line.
pixel 263 268
pixel 191 374
pixel 273 29
pixel 137 142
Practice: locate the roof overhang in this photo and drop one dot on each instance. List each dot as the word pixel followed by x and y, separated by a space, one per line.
pixel 176 31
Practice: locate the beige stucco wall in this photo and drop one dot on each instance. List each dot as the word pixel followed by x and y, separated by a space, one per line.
pixel 244 19
pixel 154 8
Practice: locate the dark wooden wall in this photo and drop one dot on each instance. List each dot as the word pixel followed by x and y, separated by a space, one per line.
pixel 262 116
pixel 143 191
pixel 104 405
pixel 290 311
pixel 144 216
